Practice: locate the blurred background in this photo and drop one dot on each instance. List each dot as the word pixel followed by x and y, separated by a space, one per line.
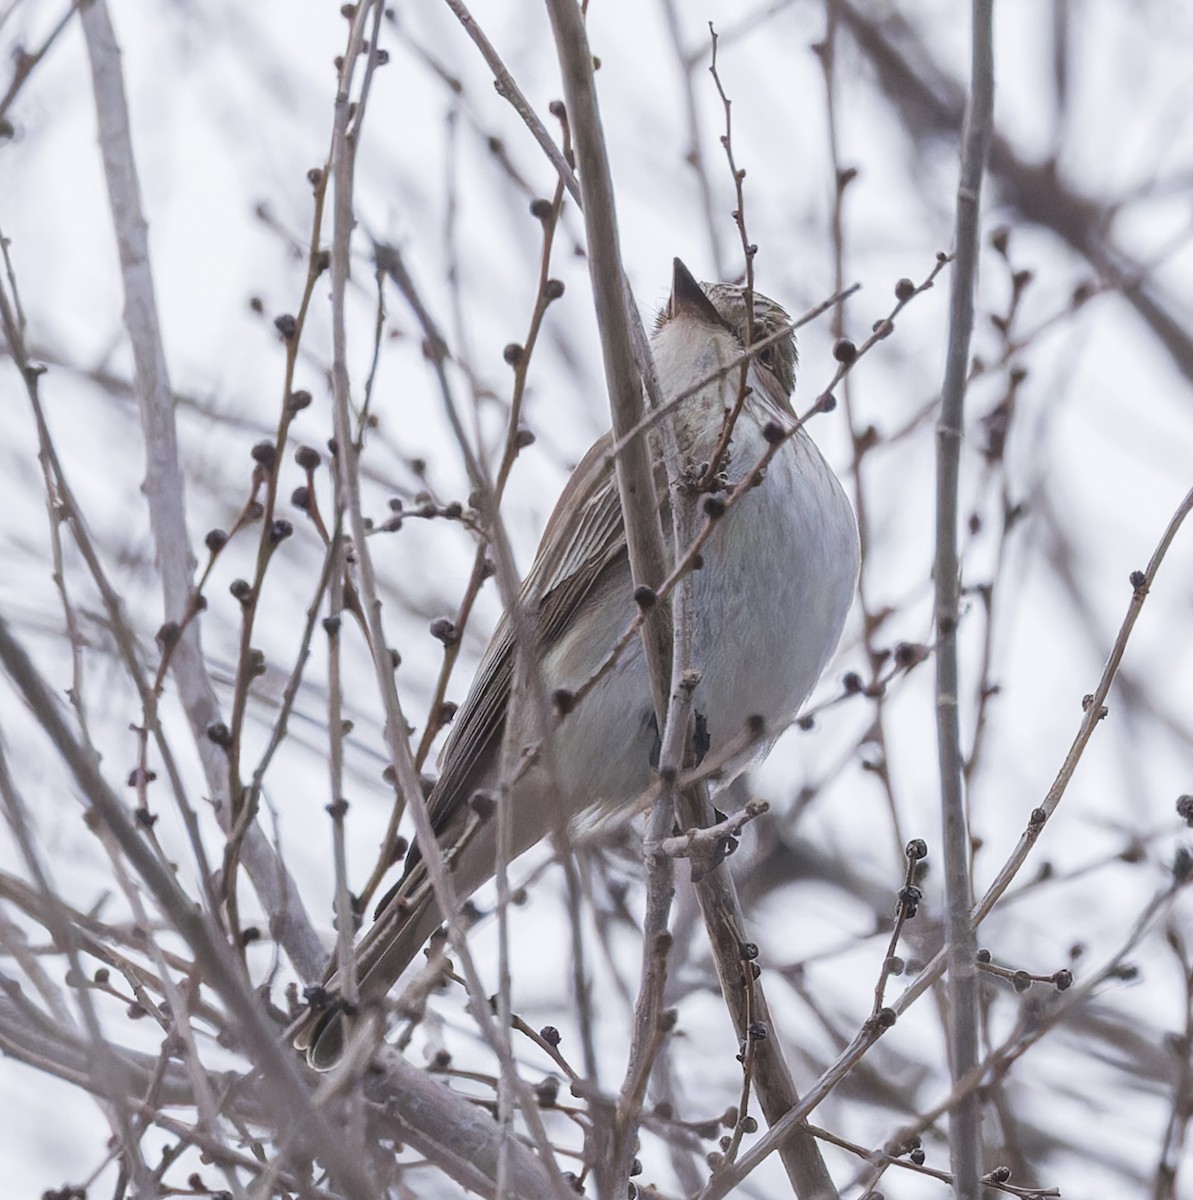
pixel 1078 450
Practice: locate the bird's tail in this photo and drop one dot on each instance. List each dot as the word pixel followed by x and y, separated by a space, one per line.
pixel 405 922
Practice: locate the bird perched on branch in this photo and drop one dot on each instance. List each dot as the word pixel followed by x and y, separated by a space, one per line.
pixel 770 589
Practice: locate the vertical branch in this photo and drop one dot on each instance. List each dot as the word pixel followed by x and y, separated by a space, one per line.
pixel 164 489
pixel 964 1123
pixel 635 477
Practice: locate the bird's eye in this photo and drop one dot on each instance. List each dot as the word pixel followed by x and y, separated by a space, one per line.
pixel 767 357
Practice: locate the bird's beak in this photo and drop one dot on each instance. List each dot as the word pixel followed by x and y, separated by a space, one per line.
pixel 688 298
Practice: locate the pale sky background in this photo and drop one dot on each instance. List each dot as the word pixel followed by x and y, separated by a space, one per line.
pixel 232 103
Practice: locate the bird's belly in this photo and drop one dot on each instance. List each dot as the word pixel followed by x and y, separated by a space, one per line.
pixel 768 607
pixel 772 596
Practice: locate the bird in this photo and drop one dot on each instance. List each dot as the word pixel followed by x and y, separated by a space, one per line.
pixel 769 600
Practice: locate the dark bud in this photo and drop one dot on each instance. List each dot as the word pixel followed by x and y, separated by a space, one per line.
pixel 910 654
pixel 1182 865
pixel 886 1018
pixel 254 510
pixel 241 589
pixel 983 955
pixel 851 683
pixel 636 1167
pixel 301 498
pixel 256 663
pixel 215 540
pixel 999 1175
pixel 250 935
pixel 1184 809
pixel 904 290
pixel 1000 239
pixel 337 809
pixel 297 401
pixel 331 626
pixel 882 328
pixel 444 631
pixel 513 354
pixel 1138 580
pixel 138 777
pixel 395 659
pixel 279 531
pixel 256 304
pixel 714 507
pixel 747 951
pixel 1063 979
pixel 1038 818
pixel 749 1125
pixel 321 261
pixel 523 438
pixel 219 734
pixel 564 701
pixel 134 1012
pixel 646 598
pixel 381 58
pixel 828 402
pixel 757 1032
pixel 557 110
pixel 806 722
pixel 916 849
pixel 697 562
pixel 168 635
pixel 1083 293
pixel 265 454
pixel 286 325
pixel 447 710
pixel 1021 981
pixel 773 432
pixel 453 510
pixel 547 1092
pixel 917 1156
pixel 895 965
pixel 844 351
pixel 845 176
pixel 315 176
pixel 540 209
pixel 552 289
pixel 483 803
pixel 550 1035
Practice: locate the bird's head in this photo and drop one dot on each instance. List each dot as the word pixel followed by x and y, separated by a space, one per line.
pixel 723 305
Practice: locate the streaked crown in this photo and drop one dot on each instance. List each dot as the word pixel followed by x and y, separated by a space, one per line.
pixel 725 303
pixel 781 357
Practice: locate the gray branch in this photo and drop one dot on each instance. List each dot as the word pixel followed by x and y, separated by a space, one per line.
pixel 165 487
pixel 965 1118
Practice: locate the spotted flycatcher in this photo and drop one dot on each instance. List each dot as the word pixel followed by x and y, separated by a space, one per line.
pixel 769 598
